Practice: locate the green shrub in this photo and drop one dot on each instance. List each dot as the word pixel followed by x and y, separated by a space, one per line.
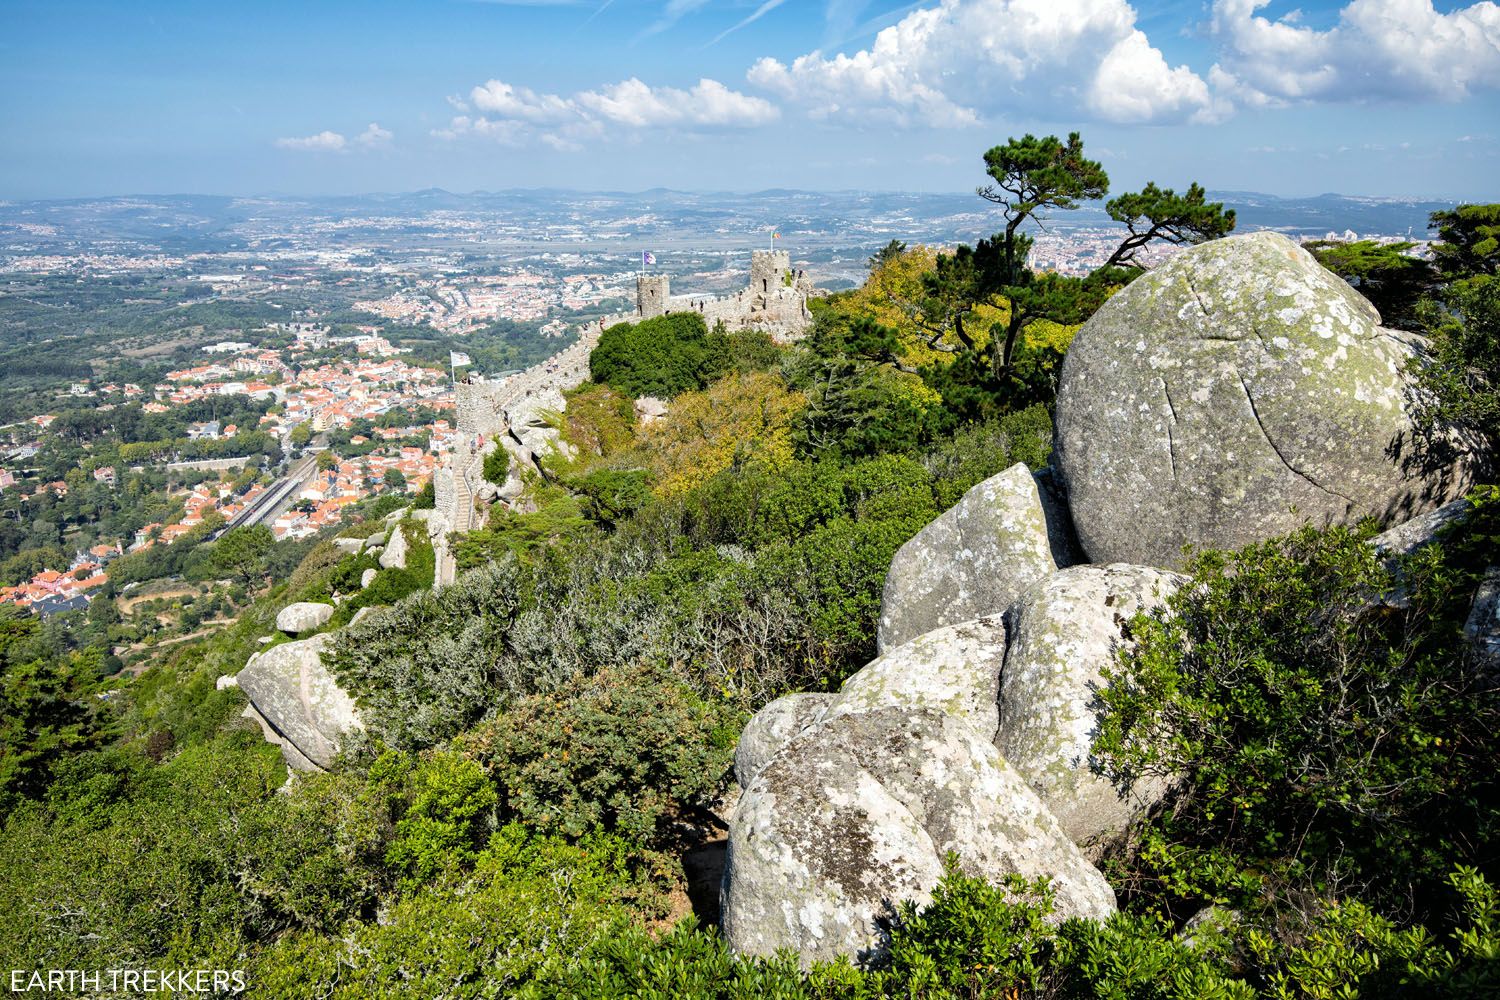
pixel 609 496
pixel 1352 951
pixel 625 750
pixel 1461 372
pixel 434 663
pixel 1320 732
pixel 315 857
pixel 753 351
pixel 528 911
pixel 148 874
pixel 426 497
pixel 663 356
pixel 496 466
pixel 974 940
pixel 446 810
pixel 598 421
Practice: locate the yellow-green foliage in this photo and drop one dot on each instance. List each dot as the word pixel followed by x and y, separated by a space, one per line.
pixel 735 421
pixel 599 421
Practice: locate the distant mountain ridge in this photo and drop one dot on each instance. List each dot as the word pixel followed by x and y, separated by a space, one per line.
pixel 198 223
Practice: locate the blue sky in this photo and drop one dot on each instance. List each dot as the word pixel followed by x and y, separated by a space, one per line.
pixel 1376 97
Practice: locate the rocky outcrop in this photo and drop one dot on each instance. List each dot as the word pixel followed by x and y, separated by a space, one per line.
pixel 303 616
pixel 1233 394
pixel 1066 630
pixel 394 555
pixel 1482 628
pixel 772 728
pixel 532 424
pixel 297 701
pixel 649 409
pixel 1421 531
pixel 368 577
pixel 954 670
pixel 975 559
pixel 856 814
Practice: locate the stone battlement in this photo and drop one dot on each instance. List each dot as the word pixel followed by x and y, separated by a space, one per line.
pixel 774 301
pixel 512 412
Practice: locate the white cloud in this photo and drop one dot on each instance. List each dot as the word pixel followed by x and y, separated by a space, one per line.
pixel 961 62
pixel 323 142
pixel 518 116
pixel 373 137
pixel 1378 50
pixel 518 103
pixel 708 104
pixel 964 60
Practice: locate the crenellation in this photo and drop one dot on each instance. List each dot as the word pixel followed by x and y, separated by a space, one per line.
pixel 774 301
pixel 652 295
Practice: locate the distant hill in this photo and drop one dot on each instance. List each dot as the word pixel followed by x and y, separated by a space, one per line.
pixel 660 218
pixel 1322 213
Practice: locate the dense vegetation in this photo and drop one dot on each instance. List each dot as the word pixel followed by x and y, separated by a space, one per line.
pixel 548 739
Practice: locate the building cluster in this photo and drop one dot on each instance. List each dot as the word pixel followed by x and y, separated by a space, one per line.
pixel 328 396
pixel 1077 252
pixel 53 591
pixel 322 499
pixel 325 396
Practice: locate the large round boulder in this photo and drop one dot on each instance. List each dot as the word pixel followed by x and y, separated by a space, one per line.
pixel 975 558
pixel 295 697
pixel 856 814
pixel 955 669
pixel 1065 631
pixel 1232 394
pixel 303 616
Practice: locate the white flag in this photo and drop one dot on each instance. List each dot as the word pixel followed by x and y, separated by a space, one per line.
pixel 458 358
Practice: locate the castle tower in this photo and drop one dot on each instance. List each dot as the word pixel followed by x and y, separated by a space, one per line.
pixel 768 269
pixel 651 293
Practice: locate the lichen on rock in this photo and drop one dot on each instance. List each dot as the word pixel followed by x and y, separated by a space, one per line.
pixel 856 815
pixel 974 559
pixel 1065 631
pixel 298 701
pixel 1233 394
pixel 955 669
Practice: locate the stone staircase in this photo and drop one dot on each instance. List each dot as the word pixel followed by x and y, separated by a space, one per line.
pixel 455 509
pixel 484 408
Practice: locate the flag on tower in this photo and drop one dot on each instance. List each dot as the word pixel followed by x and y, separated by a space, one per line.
pixel 458 359
pixel 647 258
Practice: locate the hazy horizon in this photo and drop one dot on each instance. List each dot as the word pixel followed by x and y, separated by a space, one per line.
pixel 698 192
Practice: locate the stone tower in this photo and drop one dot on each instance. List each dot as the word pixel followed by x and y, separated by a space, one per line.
pixel 767 270
pixel 651 292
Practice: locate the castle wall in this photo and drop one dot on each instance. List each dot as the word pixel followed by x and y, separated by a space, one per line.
pixel 652 293
pixel 771 302
pixel 781 312
pixel 481 406
pixel 768 270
